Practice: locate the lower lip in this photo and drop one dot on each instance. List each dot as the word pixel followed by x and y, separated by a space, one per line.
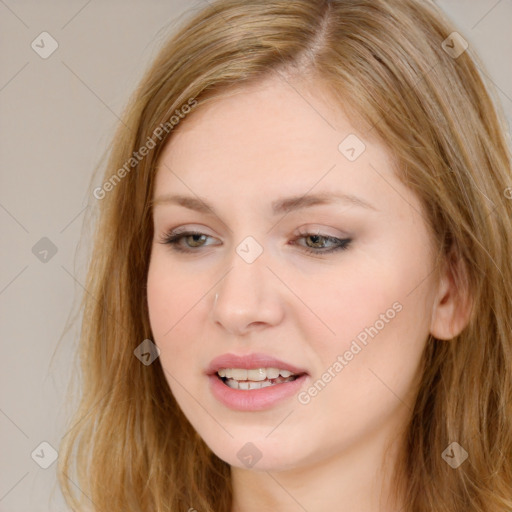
pixel 254 399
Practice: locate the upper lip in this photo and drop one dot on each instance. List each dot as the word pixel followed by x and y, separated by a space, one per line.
pixel 251 361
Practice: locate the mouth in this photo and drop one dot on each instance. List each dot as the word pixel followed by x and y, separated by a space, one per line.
pixel 254 382
pixel 255 378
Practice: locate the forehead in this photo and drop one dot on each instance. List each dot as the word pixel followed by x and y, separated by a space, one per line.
pixel 274 114
pixel 274 139
pixel 275 129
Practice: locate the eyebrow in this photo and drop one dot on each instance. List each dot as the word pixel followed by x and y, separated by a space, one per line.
pixel 279 206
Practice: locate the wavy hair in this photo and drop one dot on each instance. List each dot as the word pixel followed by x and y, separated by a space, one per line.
pixel 393 63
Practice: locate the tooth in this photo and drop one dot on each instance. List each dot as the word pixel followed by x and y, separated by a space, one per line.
pixel 250 385
pixel 272 373
pixel 256 375
pixel 232 384
pixel 238 374
pixel 259 385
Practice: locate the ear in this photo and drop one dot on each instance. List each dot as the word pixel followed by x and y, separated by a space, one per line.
pixel 452 306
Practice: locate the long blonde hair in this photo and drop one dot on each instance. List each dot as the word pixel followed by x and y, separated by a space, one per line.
pixel 396 64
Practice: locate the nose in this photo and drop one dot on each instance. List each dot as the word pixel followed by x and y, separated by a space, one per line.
pixel 249 297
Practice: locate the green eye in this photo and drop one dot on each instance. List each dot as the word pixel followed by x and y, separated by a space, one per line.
pixel 322 240
pixel 194 240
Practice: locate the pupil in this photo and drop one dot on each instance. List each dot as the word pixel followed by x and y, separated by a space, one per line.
pixel 315 238
pixel 194 237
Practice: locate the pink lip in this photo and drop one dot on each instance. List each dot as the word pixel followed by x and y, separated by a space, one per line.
pixel 250 361
pixel 253 399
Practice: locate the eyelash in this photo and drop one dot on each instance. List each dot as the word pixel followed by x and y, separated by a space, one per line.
pixel 172 238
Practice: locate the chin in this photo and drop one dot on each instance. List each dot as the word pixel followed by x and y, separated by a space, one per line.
pixel 258 455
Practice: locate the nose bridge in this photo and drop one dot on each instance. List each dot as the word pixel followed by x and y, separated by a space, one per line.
pixel 246 274
pixel 246 294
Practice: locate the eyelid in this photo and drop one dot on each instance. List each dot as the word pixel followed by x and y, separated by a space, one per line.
pixel 322 231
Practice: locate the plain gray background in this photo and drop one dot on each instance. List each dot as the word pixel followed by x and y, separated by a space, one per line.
pixel 56 117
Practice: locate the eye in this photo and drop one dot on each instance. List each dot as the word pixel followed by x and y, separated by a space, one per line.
pixel 196 239
pixel 319 243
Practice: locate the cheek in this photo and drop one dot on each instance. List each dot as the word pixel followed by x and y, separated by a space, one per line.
pixel 345 301
pixel 368 291
pixel 377 314
pixel 174 301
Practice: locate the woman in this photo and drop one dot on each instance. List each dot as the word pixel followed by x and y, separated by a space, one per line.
pixel 299 296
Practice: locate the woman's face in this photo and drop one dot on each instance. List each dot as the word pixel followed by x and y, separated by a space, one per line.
pixel 336 287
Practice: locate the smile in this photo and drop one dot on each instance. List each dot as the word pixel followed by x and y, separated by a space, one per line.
pixel 248 379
